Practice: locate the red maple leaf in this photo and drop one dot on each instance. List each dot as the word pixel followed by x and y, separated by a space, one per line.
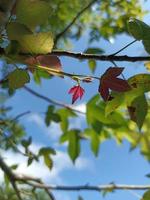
pixel 77 92
pixel 109 81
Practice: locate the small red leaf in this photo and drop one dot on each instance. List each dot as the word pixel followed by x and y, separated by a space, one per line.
pixel 77 92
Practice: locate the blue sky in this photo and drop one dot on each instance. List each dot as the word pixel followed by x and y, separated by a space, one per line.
pixel 114 163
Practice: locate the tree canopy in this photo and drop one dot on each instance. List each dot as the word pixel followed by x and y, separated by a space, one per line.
pixel 35 36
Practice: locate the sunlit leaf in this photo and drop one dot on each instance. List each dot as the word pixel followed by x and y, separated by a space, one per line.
pixel 39 43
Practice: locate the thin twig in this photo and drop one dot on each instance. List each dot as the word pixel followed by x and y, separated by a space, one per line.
pixel 21 115
pixel 73 21
pixel 55 71
pixel 52 101
pixel 124 47
pixel 14 185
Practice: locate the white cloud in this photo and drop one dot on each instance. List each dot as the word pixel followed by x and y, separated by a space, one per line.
pixel 81 107
pixel 61 161
pixel 53 131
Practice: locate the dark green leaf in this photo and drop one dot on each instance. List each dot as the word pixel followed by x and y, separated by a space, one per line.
pixel 26 143
pixel 94 50
pixel 138 110
pixel 15 30
pixel 138 29
pixel 51 115
pixel 18 78
pixel 32 13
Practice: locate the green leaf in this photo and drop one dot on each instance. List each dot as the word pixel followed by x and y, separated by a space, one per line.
pixel 15 166
pixel 138 29
pixel 65 114
pixel 39 43
pixel 18 78
pixel 96 111
pixel 64 137
pixel 94 137
pixel 138 110
pixel 15 30
pixel 46 152
pixel 13 49
pixel 26 143
pixel 32 13
pixel 113 104
pixel 74 145
pixel 94 50
pixel 146 195
pixel 92 65
pixel 51 116
pixel 140 84
pixel 146 44
pixel 30 160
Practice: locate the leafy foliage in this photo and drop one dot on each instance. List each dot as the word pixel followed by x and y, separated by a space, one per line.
pixel 30 31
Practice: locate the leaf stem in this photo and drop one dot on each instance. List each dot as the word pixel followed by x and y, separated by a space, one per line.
pixel 58 72
pixel 124 47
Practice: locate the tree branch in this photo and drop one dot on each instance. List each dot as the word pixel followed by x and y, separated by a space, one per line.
pixel 97 188
pixel 37 183
pixel 14 178
pixel 73 21
pixel 84 56
pixel 52 101
pixel 10 176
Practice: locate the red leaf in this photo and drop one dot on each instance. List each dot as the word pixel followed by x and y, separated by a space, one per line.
pixel 109 81
pixel 104 91
pixel 77 92
pixel 114 71
pixel 119 85
pixel 44 60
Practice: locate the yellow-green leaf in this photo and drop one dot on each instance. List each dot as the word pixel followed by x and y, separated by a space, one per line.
pixel 39 43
